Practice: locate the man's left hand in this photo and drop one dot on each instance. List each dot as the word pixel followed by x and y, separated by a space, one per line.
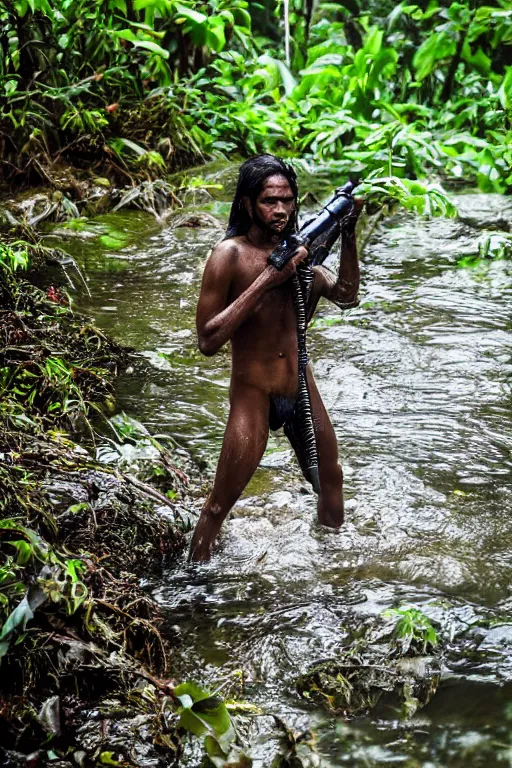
pixel 349 224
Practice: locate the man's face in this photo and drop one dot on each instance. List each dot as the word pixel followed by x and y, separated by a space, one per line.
pixel 274 205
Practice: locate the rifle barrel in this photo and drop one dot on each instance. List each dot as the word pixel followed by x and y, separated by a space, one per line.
pixel 337 208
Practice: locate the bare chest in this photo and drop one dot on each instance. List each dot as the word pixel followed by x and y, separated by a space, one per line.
pixel 276 303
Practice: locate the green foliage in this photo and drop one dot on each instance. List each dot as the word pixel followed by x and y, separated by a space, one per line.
pixel 490 245
pixel 205 715
pixel 426 89
pixel 65 68
pixel 419 196
pixel 413 630
pixel 51 386
pixel 14 256
pixel 42 377
pixel 375 663
pixel 37 574
pixel 359 109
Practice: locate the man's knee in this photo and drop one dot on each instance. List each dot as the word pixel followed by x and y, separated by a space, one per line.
pixel 215 510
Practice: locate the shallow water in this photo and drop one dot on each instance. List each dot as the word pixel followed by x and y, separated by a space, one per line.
pixel 417 383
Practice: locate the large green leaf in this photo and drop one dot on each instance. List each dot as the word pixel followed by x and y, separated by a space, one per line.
pixel 215 37
pixel 188 14
pixel 118 145
pixel 203 713
pixel 478 60
pixel 24 551
pixel 440 45
pixel 320 63
pixel 373 41
pixel 38 545
pixel 126 34
pixel 150 45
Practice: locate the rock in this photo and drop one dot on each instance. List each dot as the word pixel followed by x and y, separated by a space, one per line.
pixel 49 716
pixel 196 220
pixel 489 211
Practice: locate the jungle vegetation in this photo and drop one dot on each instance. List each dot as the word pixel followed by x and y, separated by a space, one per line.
pixel 141 87
pixel 403 94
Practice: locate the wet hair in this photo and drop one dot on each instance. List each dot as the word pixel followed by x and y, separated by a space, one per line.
pixel 251 178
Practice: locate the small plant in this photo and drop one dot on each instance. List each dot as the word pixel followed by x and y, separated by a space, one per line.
pixel 495 245
pixel 413 629
pixel 79 120
pixel 14 256
pixel 50 578
pixel 421 196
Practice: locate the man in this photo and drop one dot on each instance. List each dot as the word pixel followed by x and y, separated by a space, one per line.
pixel 248 302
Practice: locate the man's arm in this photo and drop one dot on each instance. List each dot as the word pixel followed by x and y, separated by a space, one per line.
pixel 343 288
pixel 216 320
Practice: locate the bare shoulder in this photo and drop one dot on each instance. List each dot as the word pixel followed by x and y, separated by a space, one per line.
pixel 226 250
pixel 222 258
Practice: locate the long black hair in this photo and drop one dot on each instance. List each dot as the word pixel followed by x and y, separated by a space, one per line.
pixel 251 177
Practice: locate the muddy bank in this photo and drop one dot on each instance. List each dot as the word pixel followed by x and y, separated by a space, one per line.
pixel 81 649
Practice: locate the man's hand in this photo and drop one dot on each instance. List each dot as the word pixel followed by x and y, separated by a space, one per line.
pixel 278 276
pixel 349 224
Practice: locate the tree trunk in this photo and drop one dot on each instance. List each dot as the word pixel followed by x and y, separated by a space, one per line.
pixel 353 34
pixel 452 69
pixel 25 69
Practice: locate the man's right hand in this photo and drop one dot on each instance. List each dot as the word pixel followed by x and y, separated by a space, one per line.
pixel 279 276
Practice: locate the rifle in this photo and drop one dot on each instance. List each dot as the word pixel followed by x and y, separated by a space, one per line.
pixel 319 233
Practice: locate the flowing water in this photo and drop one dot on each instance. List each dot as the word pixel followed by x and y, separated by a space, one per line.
pixel 417 384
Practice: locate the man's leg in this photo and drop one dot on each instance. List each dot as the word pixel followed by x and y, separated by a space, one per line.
pixel 243 446
pixel 330 498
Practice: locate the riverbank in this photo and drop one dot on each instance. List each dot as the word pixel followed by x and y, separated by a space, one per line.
pixel 82 655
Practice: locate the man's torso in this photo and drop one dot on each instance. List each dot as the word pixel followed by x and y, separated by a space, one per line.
pixel 264 348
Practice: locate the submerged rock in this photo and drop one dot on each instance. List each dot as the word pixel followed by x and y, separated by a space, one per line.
pixel 479 211
pixel 350 686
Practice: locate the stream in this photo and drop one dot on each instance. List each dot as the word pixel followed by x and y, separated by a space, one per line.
pixel 417 383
